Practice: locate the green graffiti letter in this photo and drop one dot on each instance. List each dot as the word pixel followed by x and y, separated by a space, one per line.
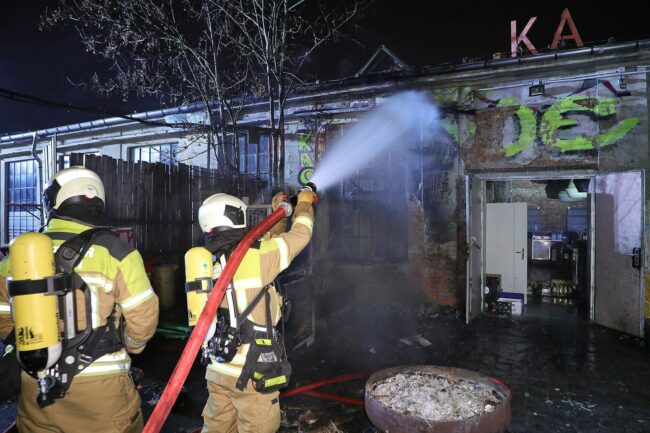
pixel 554 119
pixel 305 175
pixel 306 161
pixel 617 132
pixel 451 128
pixel 525 117
pixel 303 143
pixel 471 129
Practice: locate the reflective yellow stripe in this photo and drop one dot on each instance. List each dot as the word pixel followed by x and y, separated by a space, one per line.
pixel 4 308
pixel 240 357
pixel 136 300
pixel 225 369
pixel 275 381
pixel 101 282
pixel 306 221
pixel 94 306
pixel 120 355
pixel 99 368
pixel 263 341
pixel 105 369
pixel 248 283
pixel 234 367
pixel 239 360
pixel 284 253
pixel 109 363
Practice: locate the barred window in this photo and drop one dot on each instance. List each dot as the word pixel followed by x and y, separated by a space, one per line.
pixel 247 155
pixel 23 206
pixel 163 153
pixel 263 161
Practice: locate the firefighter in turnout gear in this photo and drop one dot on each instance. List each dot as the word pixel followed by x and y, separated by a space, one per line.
pixel 247 361
pixel 104 277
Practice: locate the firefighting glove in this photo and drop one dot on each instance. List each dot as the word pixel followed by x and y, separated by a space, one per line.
pixel 307 196
pixel 277 199
pixel 281 226
pixel 132 345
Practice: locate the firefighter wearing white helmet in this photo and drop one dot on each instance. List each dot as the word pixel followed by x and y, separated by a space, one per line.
pixel 247 362
pixel 222 212
pixel 113 285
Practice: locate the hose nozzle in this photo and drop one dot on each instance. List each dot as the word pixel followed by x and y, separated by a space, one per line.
pixel 293 200
pixel 311 186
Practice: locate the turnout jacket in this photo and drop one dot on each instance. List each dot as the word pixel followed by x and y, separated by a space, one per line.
pixel 260 266
pixel 115 276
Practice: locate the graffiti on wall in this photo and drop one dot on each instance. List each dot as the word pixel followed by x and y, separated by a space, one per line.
pixel 310 148
pixel 547 124
pixel 447 145
pixel 306 156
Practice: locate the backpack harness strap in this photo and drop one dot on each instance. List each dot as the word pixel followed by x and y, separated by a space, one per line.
pixel 83 348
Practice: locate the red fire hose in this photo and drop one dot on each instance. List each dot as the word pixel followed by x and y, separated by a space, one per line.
pixel 337 398
pixel 182 369
pixel 309 389
pixel 330 381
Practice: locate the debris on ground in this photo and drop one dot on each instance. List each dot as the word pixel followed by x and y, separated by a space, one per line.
pixel 423 342
pixel 330 428
pixel 586 406
pixel 406 341
pixel 415 339
pixel 434 397
pixel 309 417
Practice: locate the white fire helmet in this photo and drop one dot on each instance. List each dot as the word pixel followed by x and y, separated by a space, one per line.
pixel 74 185
pixel 222 211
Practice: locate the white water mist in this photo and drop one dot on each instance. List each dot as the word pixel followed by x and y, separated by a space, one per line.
pixel 391 124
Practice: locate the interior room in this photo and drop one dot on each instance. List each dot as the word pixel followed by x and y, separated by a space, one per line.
pixel 550 231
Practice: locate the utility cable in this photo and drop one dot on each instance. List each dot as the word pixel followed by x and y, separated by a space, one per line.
pixel 36 100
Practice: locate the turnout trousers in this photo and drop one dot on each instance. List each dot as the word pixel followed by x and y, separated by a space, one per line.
pixel 99 404
pixel 229 410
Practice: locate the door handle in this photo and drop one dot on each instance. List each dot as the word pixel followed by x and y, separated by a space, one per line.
pixel 522 252
pixel 636 258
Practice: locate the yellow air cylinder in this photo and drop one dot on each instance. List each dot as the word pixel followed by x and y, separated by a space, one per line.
pixel 35 314
pixel 198 269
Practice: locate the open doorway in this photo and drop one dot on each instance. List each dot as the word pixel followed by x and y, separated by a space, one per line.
pixel 575 239
pixel 546 224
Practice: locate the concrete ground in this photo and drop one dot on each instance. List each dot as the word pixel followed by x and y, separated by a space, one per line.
pixel 566 375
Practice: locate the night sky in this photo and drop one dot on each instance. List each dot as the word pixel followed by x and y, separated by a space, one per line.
pixel 420 32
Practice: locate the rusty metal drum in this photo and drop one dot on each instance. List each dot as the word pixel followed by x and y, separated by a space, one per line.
pixel 392 421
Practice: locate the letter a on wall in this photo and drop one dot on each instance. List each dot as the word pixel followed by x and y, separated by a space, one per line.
pixel 564 19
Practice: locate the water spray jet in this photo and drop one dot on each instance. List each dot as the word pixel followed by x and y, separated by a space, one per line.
pixel 388 126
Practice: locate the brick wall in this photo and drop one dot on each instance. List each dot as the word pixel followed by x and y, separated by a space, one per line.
pixel 552 211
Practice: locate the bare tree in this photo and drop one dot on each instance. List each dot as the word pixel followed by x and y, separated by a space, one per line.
pixel 280 36
pixel 178 51
pixel 219 52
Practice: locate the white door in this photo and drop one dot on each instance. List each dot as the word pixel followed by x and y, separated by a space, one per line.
pixel 618 285
pixel 506 229
pixel 520 243
pixel 475 214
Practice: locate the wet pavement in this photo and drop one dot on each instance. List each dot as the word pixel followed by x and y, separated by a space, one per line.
pixel 566 375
